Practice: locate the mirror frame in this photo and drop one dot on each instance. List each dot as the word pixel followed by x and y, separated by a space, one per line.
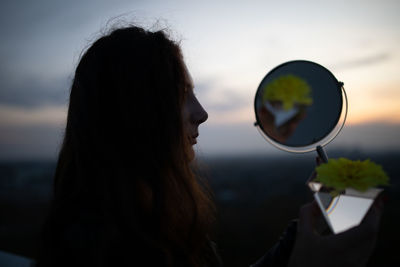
pixel 327 138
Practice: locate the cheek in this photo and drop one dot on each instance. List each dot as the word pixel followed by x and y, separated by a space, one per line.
pixel 186 116
pixel 188 109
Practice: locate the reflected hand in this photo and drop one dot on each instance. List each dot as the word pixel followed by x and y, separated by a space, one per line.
pixel 350 248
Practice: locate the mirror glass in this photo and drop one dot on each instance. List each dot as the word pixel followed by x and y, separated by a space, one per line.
pixel 298 105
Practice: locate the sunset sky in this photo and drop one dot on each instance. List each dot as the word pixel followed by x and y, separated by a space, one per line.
pixel 228 46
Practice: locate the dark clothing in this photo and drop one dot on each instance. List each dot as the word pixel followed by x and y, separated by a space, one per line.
pixel 279 254
pixel 86 245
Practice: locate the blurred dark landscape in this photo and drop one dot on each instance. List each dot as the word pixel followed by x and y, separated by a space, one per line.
pixel 256 197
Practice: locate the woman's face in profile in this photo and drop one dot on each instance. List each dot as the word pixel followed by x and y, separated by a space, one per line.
pixel 193 113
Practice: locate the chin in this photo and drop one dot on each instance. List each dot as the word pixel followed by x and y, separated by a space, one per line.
pixel 191 154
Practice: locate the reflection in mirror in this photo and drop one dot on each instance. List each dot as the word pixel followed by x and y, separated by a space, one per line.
pixel 284 102
pixel 298 104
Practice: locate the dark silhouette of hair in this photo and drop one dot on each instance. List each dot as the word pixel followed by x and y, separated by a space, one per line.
pixel 124 191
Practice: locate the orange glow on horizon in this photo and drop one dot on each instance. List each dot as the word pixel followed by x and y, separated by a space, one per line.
pixel 375 105
pixel 373 118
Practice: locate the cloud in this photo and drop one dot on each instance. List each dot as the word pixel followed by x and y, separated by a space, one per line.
pixel 31 91
pixel 30 141
pixel 375 136
pixel 219 98
pixel 11 116
pixel 243 138
pixel 39 40
pixel 362 61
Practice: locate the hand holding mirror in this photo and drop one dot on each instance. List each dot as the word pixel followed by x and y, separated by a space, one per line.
pixel 300 107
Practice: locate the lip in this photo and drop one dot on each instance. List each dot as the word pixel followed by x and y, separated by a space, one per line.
pixel 193 139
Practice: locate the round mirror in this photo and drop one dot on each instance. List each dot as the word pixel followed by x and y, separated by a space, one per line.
pixel 300 105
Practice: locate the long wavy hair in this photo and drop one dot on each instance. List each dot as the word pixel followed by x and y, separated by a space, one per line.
pixel 124 189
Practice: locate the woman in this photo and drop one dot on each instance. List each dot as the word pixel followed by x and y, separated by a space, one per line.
pixel 123 178
pixel 124 192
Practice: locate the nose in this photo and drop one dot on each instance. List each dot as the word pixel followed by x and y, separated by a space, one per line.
pixel 200 115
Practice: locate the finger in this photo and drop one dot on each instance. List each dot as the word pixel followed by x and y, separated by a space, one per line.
pixel 308 216
pixel 373 216
pixel 380 201
pixel 372 219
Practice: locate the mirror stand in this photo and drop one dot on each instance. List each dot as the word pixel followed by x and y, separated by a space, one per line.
pixel 301 107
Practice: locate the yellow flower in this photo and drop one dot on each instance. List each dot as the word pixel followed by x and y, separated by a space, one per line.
pixel 342 173
pixel 290 90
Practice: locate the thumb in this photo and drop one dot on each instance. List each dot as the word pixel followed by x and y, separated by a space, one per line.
pixel 307 217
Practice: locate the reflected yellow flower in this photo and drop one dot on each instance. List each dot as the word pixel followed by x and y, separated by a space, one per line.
pixel 290 90
pixel 343 173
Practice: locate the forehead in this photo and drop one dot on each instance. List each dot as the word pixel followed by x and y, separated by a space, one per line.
pixel 188 79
